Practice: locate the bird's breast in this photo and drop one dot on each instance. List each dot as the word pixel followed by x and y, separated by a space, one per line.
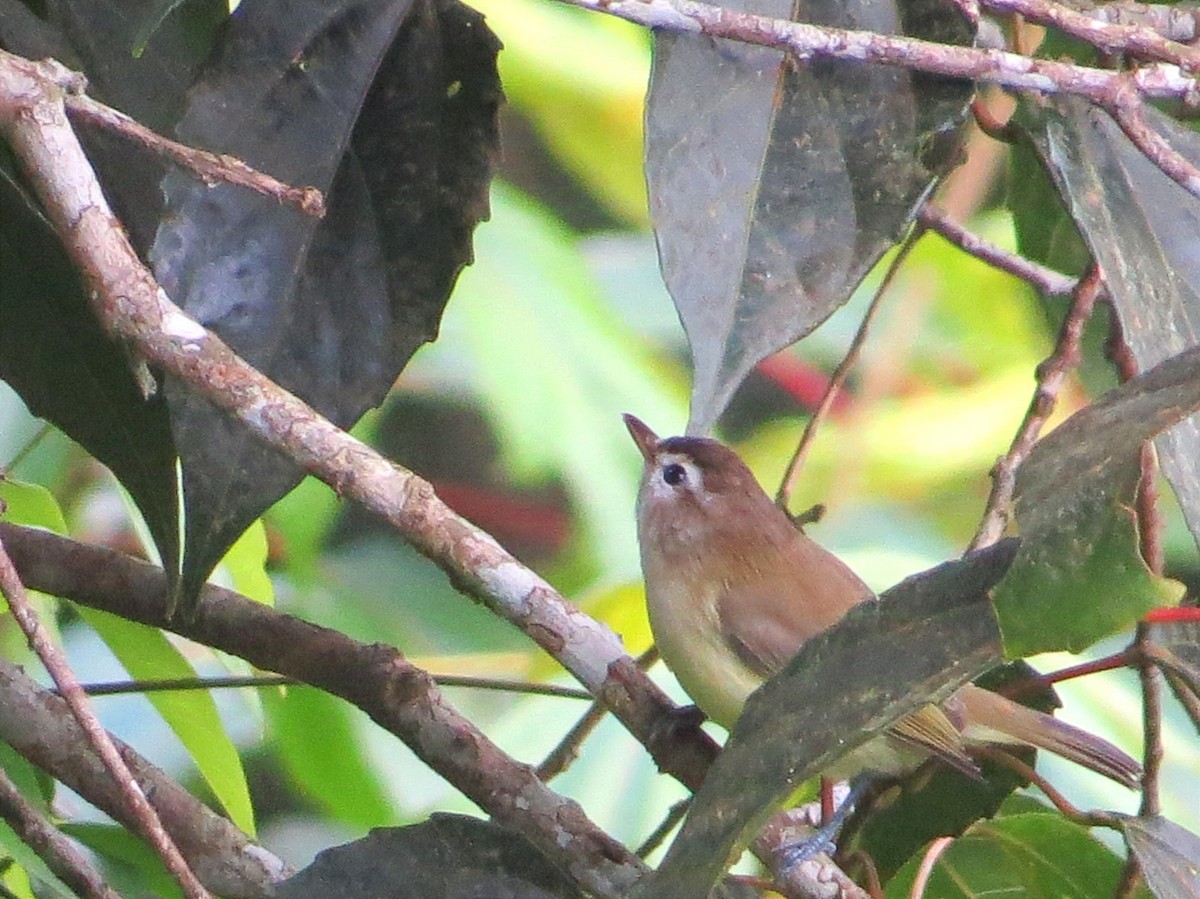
pixel 689 638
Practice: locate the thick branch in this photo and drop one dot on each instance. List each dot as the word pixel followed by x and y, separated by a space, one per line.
pixel 1111 37
pixel 1121 94
pixel 1010 70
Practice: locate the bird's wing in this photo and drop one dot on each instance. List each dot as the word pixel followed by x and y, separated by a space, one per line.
pixel 766 619
pixel 931 730
pixel 766 624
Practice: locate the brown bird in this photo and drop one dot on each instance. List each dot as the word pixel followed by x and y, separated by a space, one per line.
pixel 734 590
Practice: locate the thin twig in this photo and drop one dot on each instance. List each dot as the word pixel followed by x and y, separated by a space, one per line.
pixel 147 818
pixel 1011 70
pixel 166 685
pixel 928 860
pixel 30 445
pixel 791 476
pixel 61 855
pixel 209 167
pixel 1057 799
pixel 1039 682
pixel 1152 732
pixel 1128 110
pixel 1120 93
pixel 1149 517
pixel 1111 37
pixel 669 823
pixel 1152 755
pixel 1044 280
pixel 1052 374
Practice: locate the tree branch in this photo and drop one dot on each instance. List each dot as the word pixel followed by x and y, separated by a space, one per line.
pixel 142 814
pixel 38 726
pixel 1113 91
pixel 61 855
pixel 1051 375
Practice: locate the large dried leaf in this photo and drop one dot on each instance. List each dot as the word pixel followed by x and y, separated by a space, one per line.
pixel 449 855
pixel 1142 228
pixel 775 186
pixel 1168 855
pixel 925 637
pixel 54 354
pixel 390 108
pixel 1079 575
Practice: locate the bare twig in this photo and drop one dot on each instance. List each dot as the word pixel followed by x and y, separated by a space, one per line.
pixel 1010 70
pixel 928 860
pixel 165 685
pixel 209 167
pixel 1052 374
pixel 143 813
pixel 1149 517
pixel 1152 754
pixel 1177 22
pixel 1045 280
pixel 1128 110
pixel 1120 93
pixel 1001 756
pixel 669 822
pixel 60 854
pixel 791 475
pixel 1111 37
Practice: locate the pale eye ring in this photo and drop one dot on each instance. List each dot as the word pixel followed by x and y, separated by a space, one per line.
pixel 674 474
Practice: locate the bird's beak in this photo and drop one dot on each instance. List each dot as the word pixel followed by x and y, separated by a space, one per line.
pixel 646 440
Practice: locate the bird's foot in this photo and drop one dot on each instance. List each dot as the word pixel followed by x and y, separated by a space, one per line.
pixel 822 839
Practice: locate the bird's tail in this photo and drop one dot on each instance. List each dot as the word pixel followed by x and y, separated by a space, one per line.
pixel 1000 720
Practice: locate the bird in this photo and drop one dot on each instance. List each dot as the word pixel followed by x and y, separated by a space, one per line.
pixel 734 589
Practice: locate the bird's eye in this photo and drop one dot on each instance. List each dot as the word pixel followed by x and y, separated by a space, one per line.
pixel 674 474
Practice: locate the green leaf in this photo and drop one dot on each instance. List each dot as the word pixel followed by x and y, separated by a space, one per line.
pixel 147 654
pixel 31 504
pixel 28 865
pixel 1078 576
pixel 317 742
pixel 35 784
pixel 131 865
pixel 246 565
pixel 1034 856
